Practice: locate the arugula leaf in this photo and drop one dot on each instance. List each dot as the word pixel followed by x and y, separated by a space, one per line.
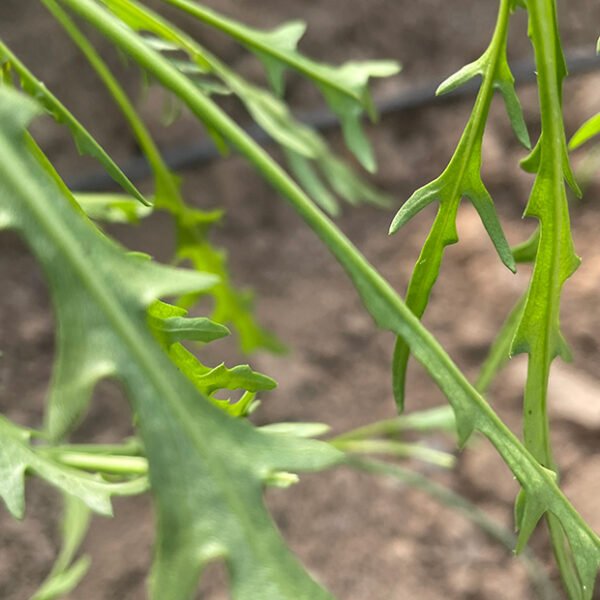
pixel 299 142
pixel 171 325
pixel 18 457
pixel 206 469
pixel 538 331
pixel 344 88
pixel 462 177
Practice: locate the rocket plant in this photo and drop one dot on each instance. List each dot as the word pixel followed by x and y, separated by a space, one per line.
pixel 204 462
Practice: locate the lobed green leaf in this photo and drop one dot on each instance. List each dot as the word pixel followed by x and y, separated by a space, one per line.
pixel 344 88
pixel 270 112
pixel 218 464
pixel 461 178
pixel 18 457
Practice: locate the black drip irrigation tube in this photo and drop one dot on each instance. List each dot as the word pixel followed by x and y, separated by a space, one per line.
pixel 323 120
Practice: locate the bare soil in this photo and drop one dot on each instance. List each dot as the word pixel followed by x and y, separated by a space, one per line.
pixel 363 537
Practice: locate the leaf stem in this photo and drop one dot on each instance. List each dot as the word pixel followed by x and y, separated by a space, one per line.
pixel 115 464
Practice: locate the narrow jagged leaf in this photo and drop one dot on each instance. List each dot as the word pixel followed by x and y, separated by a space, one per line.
pixel 273 115
pixel 483 203
pixel 348 185
pixel 85 142
pixel 461 178
pixel 556 261
pixel 344 88
pixel 538 332
pixel 234 378
pixel 349 114
pixel 505 83
pixel 210 379
pixel 218 464
pixel 198 329
pixel 18 457
pixel 443 233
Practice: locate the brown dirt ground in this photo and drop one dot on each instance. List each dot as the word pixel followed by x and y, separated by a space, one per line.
pixel 364 538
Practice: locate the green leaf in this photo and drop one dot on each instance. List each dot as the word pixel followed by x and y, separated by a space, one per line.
pixel 218 464
pixel 526 251
pixel 63 582
pixel 310 180
pixel 235 378
pixel 538 331
pixel 86 144
pixel 274 116
pixel 505 83
pixel 461 178
pixel 18 457
pixel 344 88
pixel 209 380
pixel 67 572
pixel 171 326
pixel 198 329
pixel 297 139
pixel 284 38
